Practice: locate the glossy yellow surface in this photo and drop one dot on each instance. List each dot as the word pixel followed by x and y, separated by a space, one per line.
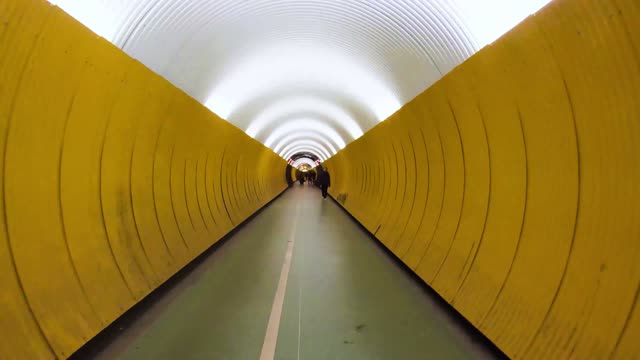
pixel 113 180
pixel 512 185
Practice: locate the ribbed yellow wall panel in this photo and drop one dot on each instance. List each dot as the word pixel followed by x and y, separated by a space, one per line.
pixel 113 180
pixel 18 38
pixel 525 157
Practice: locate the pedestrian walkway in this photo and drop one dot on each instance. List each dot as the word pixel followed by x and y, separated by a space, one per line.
pixel 300 281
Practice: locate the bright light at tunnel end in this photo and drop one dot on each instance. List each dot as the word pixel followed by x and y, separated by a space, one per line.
pixel 301 125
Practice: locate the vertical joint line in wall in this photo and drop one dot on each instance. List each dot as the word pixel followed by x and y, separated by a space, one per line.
pixel 444 188
pixel 256 190
pixel 366 186
pixel 484 225
pixel 100 199
pixel 395 156
pixel 383 193
pixel 364 179
pixel 634 308
pixel 371 183
pixel 237 194
pixel 198 196
pixel 235 189
pixel 388 210
pixel 575 224
pixel 244 182
pixel 404 194
pixel 133 212
pixel 415 185
pixel 247 186
pixel 372 179
pixel 184 191
pixel 404 188
pixel 224 202
pixel 173 205
pixel 213 190
pixel 464 185
pixel 153 190
pixel 65 237
pixel 206 193
pixel 426 201
pixel 4 190
pixel 256 198
pixel 380 176
pixel 524 215
pixel 250 184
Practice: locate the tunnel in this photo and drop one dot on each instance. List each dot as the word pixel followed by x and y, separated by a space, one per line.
pixel 483 157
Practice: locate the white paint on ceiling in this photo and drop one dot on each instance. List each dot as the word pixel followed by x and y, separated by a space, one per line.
pixel 303 160
pixel 282 69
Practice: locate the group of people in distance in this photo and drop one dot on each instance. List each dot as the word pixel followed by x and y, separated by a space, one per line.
pixel 321 178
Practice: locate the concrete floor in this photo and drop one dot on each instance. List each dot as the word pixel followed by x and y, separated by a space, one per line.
pixel 345 298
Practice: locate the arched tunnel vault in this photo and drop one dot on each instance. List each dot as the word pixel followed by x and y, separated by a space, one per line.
pixel 113 180
pixel 511 185
pixel 261 64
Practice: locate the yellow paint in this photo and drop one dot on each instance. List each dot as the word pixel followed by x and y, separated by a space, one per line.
pixel 526 211
pixel 112 181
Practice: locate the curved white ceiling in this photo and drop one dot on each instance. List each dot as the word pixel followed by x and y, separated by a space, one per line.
pixel 304 142
pixel 303 160
pixel 280 69
pixel 305 135
pixel 310 148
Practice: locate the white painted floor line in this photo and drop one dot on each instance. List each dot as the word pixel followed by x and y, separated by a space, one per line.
pixel 299 314
pixel 271 337
pixel 300 282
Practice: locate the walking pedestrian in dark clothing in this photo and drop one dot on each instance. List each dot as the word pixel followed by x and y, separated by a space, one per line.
pixel 300 177
pixel 324 179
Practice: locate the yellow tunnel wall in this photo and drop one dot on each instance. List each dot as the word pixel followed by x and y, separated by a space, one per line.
pixel 113 180
pixel 512 186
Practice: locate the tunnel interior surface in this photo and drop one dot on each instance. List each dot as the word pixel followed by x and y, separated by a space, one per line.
pixel 511 185
pixel 505 177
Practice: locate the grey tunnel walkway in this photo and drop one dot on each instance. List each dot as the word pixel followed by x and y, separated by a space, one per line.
pixel 345 298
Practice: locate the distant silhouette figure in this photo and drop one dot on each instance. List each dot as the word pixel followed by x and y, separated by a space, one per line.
pixel 300 177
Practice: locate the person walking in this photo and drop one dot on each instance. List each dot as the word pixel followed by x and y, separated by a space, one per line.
pixel 324 179
pixel 300 177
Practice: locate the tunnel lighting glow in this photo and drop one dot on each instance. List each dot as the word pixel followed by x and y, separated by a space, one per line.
pixel 306 148
pixel 490 19
pixel 304 104
pixel 305 135
pixel 316 144
pixel 288 65
pixel 301 125
pixel 304 160
pixel 102 17
pixel 374 56
pixel 219 105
